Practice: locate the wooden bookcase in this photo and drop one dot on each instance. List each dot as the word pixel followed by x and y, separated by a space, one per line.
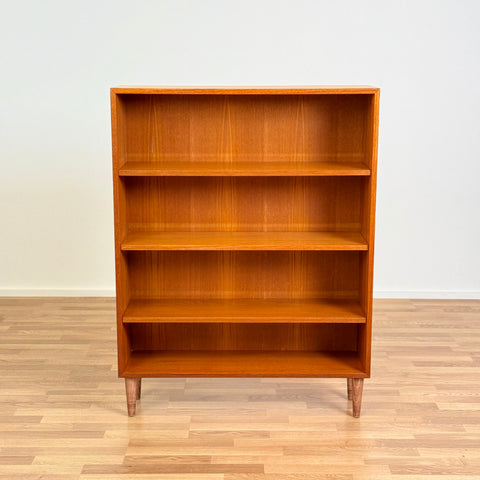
pixel 244 232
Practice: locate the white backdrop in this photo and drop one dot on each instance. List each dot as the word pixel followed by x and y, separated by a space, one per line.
pixel 58 60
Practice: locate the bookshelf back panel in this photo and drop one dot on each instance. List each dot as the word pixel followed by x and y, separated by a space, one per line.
pixel 260 337
pixel 244 203
pixel 236 128
pixel 253 274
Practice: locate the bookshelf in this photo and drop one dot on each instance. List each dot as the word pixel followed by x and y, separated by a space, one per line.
pixel 244 232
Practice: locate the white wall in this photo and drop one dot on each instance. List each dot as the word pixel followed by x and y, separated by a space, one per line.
pixel 58 60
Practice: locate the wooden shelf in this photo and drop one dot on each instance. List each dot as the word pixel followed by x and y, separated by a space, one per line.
pixel 243 311
pixel 244 241
pixel 243 168
pixel 243 363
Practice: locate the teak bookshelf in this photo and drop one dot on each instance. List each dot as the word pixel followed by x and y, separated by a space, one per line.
pixel 244 232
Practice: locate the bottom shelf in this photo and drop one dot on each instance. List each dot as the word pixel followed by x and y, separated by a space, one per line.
pixel 243 364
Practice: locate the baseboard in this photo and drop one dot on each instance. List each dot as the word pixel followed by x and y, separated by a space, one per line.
pixel 110 292
pixel 57 292
pixel 427 294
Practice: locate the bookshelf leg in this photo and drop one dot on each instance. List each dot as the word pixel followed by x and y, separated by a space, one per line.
pixel 132 388
pixel 349 387
pixel 357 389
pixel 139 389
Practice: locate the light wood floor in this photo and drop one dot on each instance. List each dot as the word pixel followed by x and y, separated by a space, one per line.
pixel 63 409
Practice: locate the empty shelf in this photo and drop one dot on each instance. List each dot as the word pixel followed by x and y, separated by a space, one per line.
pixel 244 241
pixel 244 168
pixel 168 363
pixel 243 311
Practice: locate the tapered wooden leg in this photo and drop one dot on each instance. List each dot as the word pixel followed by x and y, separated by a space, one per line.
pixel 131 387
pixel 139 389
pixel 357 389
pixel 349 388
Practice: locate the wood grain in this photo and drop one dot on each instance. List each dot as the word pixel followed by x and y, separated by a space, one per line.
pixel 243 311
pixel 212 166
pixel 369 195
pixel 63 407
pixel 245 128
pixel 244 241
pixel 349 388
pixel 132 387
pixel 244 204
pixel 244 274
pixel 252 337
pixel 120 223
pixel 357 390
pixel 241 363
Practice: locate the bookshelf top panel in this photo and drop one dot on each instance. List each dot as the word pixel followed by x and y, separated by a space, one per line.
pixel 251 90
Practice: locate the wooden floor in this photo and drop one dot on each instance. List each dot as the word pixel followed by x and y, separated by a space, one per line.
pixel 63 409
